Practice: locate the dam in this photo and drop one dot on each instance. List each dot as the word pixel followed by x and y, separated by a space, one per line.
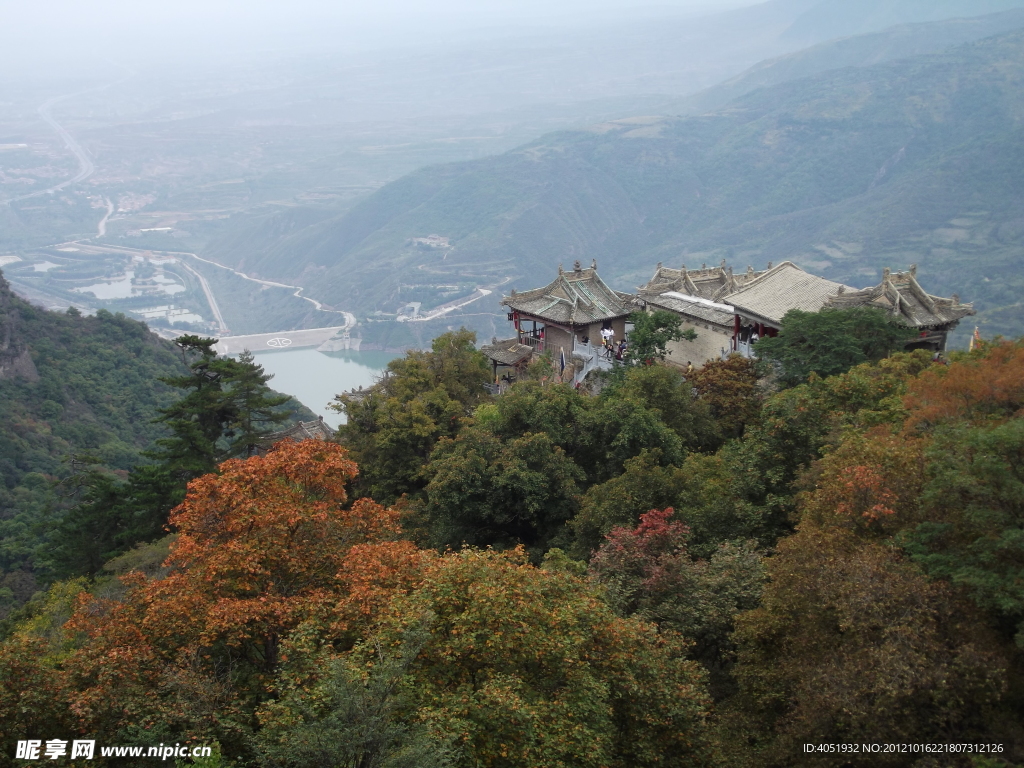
pixel 332 339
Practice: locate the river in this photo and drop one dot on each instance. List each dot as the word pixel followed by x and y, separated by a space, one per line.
pixel 314 378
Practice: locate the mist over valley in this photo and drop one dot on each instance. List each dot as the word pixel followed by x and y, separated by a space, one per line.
pixel 307 183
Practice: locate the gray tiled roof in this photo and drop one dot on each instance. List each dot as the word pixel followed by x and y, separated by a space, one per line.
pixel 901 295
pixel 577 298
pixel 676 302
pixel 712 283
pixel 782 288
pixel 304 430
pixel 507 352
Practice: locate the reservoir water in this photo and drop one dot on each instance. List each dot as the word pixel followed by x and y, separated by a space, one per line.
pixel 314 378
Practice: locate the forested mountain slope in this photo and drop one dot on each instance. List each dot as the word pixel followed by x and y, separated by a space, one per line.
pixel 85 402
pixel 69 386
pixel 845 172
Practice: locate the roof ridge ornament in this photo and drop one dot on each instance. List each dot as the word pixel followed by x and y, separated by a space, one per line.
pixel 576 267
pixel 560 270
pixel 593 264
pixel 913 270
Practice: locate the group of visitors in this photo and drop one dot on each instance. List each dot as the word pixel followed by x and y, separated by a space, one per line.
pixel 611 349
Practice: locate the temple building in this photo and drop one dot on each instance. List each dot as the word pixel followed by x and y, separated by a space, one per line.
pixel 508 359
pixel 711 283
pixel 304 430
pixel 575 308
pixel 761 304
pixel 905 300
pixel 730 312
pixel 695 295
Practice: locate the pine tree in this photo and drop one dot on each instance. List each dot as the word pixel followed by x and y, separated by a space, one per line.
pixel 226 409
pixel 256 409
pixel 199 419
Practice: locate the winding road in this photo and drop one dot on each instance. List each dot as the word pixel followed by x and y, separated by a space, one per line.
pixel 86 166
pixel 350 319
pixel 101 228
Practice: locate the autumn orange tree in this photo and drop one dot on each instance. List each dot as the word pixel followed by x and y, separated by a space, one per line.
pixel 262 547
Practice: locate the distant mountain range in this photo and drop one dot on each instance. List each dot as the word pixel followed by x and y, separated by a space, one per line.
pixel 863 50
pixel 844 171
pixel 828 19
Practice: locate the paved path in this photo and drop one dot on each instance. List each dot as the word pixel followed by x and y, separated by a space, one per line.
pixel 262 342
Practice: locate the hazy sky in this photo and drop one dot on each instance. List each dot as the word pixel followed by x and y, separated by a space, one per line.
pixel 57 30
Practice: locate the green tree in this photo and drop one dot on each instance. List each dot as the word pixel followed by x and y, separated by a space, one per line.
pixel 652 332
pixel 563 413
pixel 353 718
pixel 620 429
pixel 257 410
pixel 666 393
pixel 973 503
pixel 93 531
pixel 483 490
pixel 421 398
pixel 199 419
pixel 598 433
pixel 831 341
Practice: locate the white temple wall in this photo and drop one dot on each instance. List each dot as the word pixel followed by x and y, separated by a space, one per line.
pixel 708 345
